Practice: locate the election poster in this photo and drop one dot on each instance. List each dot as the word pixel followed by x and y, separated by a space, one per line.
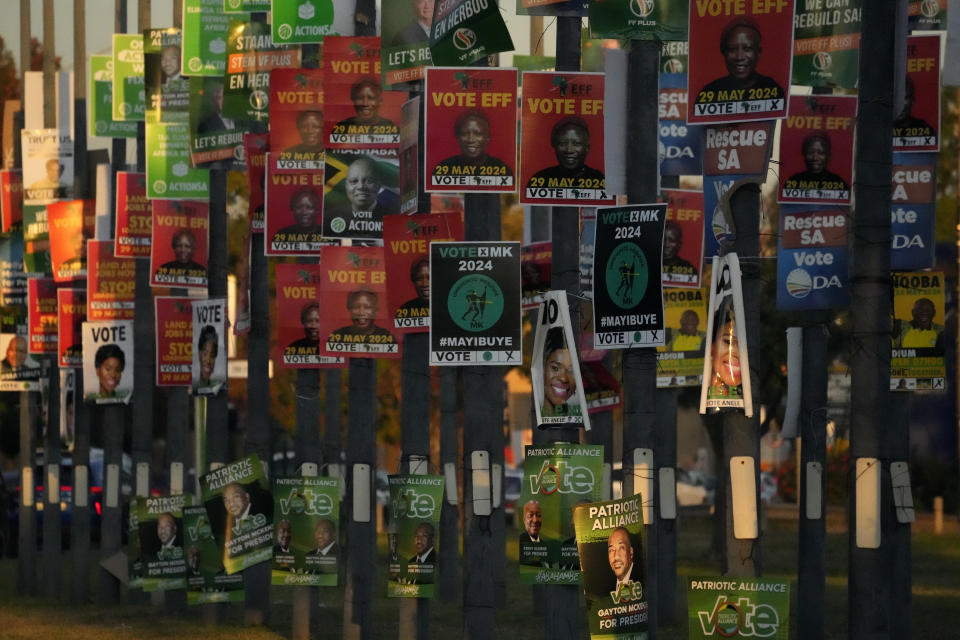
pixel 738 608
pixel 361 188
pixel 409 156
pixel 251 55
pixel 674 58
pixel 561 126
pixel 465 31
pixel 413 539
pixel 205 27
pixel 680 360
pixel 11 199
pixel 129 101
pixel 536 265
pixel 19 370
pixel 610 542
pixel 134 560
pixel 726 364
pixel 307 22
pixel 167 89
pixel 682 151
pixel 174 331
pixel 169 165
pixel 913 211
pixel 475 303
pixel 356 313
pixel 245 6
pixel 558 397
pixel 70 224
pixel 47 165
pixel 556 478
pixel 600 387
pixel 405 50
pixel 634 20
pixel 110 283
pixel 13 279
pixel 42 315
pixel 294 203
pixel 255 148
pixel 206 580
pixel 471 115
pixel 826 44
pixel 108 361
pixel 100 104
pixel 816 150
pixel 917 127
pixel 917 362
pixel 812 258
pixel 358 113
pixel 306 516
pixel 406 247
pixel 161 533
pixel 36 241
pixel 240 511
pixel 209 366
pixel 134 216
pixel 213 136
pixel 927 15
pixel 683 238
pixel 178 257
pixel 627 289
pixel 296 119
pixel 298 317
pixel 750 78
pixel 71 314
pixel 566 8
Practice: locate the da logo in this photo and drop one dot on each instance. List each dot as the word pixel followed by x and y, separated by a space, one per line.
pixel 285 31
pixel 930 8
pixel 464 39
pixel 822 61
pixel 159 186
pixel 799 283
pixel 641 8
pixel 626 275
pixel 475 302
pixel 719 226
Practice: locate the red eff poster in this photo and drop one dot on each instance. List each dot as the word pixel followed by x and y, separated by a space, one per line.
pixel 71 223
pixel 298 317
pixel 110 283
pixel 816 150
pixel 42 315
pixel 11 198
pixel 916 127
pixel 561 157
pixel 174 341
pixel 740 60
pixel 472 119
pixel 356 316
pixel 71 314
pixel 179 255
pixel 134 216
pixel 358 113
pixel 296 119
pixel 294 209
pixel 255 147
pixel 406 242
pixel 683 239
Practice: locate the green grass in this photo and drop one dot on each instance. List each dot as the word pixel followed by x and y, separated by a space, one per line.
pixel 936 598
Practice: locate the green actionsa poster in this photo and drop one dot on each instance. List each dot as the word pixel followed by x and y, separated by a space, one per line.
pixel 826 44
pixel 303 21
pixel 415 504
pixel 306 513
pixel 639 19
pixel 738 608
pixel 240 508
pixel 129 100
pixel 167 90
pixel 466 31
pixel 134 560
pixel 160 526
pixel 556 478
pixel 101 102
pixel 205 27
pixel 169 174
pixel 609 538
pixel 206 579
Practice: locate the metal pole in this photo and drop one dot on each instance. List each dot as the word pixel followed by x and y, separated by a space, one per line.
pixel 640 427
pixel 869 586
pixel 448 580
pixel 666 559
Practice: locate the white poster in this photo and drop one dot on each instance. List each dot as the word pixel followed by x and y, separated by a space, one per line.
pixel 557 387
pixel 19 371
pixel 108 361
pixel 47 165
pixel 209 346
